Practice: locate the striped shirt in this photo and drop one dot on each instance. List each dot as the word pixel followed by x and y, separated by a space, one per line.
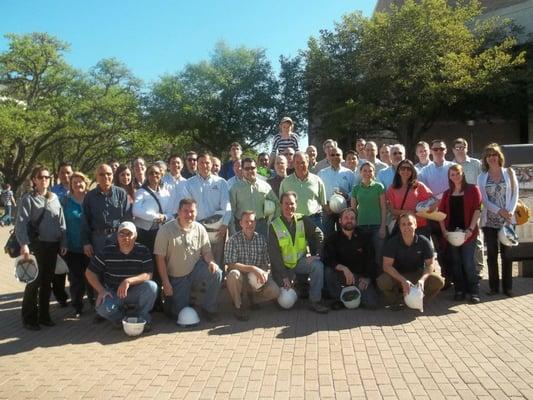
pixel 113 266
pixel 279 145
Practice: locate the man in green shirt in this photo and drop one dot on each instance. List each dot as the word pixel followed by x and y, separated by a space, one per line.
pixel 250 194
pixel 308 187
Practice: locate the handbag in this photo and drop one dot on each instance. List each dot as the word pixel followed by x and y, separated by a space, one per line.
pixel 12 246
pixel 393 226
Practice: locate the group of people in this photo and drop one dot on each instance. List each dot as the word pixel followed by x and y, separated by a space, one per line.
pixel 146 236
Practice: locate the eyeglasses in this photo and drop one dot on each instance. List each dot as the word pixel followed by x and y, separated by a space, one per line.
pixel 459 148
pixel 250 168
pixel 42 177
pixel 438 149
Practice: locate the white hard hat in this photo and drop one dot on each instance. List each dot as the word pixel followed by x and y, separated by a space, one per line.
pixel 253 281
pixel 415 298
pixel 351 297
pixel 337 203
pixel 212 225
pixel 61 266
pixel 456 238
pixel 269 208
pixel 188 317
pixel 26 271
pixel 133 326
pixel 287 298
pixel 507 236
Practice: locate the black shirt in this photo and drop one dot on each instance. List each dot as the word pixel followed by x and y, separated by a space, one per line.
pixel 115 266
pixel 351 252
pixel 457 213
pixel 408 258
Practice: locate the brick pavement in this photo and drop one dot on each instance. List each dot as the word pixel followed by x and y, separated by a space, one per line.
pixel 451 351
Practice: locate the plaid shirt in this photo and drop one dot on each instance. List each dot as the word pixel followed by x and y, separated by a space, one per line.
pixel 251 252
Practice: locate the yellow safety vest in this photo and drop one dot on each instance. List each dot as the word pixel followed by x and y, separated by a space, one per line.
pixel 291 252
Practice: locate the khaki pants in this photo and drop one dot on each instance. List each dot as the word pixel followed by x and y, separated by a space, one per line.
pixel 392 289
pixel 237 284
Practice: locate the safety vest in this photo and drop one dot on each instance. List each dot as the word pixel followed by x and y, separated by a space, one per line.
pixel 291 252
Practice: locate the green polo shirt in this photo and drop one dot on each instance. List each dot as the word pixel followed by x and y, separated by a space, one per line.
pixel 310 191
pixel 246 196
pixel 368 206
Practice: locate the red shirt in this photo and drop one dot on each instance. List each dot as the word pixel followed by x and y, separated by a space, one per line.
pixel 471 201
pixel 418 193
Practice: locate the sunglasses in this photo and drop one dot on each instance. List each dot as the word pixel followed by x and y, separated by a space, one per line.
pixel 459 148
pixel 492 155
pixel 438 149
pixel 405 168
pixel 335 155
pixel 397 153
pixel 42 177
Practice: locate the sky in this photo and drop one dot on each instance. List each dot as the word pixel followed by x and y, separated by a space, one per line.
pixel 161 36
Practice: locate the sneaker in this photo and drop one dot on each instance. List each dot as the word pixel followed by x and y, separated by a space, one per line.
pixel 241 314
pixel 474 299
pixel 210 316
pixel 317 307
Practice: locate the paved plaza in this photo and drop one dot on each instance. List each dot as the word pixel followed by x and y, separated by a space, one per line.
pixel 450 351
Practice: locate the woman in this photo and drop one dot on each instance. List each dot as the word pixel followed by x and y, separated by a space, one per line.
pixel 368 199
pixel 40 227
pixel 122 178
pixel 286 138
pixel 154 205
pixel 76 260
pixel 384 154
pixel 499 193
pixel 462 205
pixel 406 192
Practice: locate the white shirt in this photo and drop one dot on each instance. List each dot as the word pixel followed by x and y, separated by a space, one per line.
pixel 145 208
pixel 436 177
pixel 342 178
pixel 419 167
pixel 211 194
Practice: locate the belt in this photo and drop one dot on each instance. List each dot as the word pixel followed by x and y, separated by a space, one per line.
pixel 105 231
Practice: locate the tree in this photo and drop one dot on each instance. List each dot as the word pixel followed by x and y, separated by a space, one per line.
pixel 415 63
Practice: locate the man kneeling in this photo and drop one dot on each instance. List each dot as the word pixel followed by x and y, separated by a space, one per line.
pixel 121 274
pixel 246 253
pixel 408 257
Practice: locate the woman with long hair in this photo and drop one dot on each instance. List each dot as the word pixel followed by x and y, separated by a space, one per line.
pixel 40 228
pixel 368 199
pixel 406 192
pixel 76 260
pixel 499 193
pixel 462 205
pixel 122 178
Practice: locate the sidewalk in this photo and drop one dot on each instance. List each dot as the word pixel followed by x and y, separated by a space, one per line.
pixel 451 351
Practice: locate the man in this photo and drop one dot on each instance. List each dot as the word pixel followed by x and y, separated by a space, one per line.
pixel 422 153
pixel 173 177
pixel 312 153
pixel 139 172
pixel 360 144
pixel 308 187
pixel 351 161
pixel 289 155
pixel 471 166
pixel 8 201
pixel 263 166
pixel 371 152
pixel 237 171
pixel 104 208
pixel 348 262
pixel 472 169
pixel 184 260
pixel 217 165
pixel 212 195
pixel 280 166
pixel 64 173
pixel 114 164
pixel 191 159
pixel 246 253
pixel 235 152
pixel 121 275
pixel 326 148
pixel 386 175
pixel 435 176
pixel 408 257
pixel 250 194
pixel 337 179
pixel 289 237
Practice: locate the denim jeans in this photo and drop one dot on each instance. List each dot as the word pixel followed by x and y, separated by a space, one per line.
pixel 200 276
pixel 465 276
pixel 315 270
pixel 317 220
pixel 142 296
pixel 335 281
pixel 371 233
pixel 6 218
